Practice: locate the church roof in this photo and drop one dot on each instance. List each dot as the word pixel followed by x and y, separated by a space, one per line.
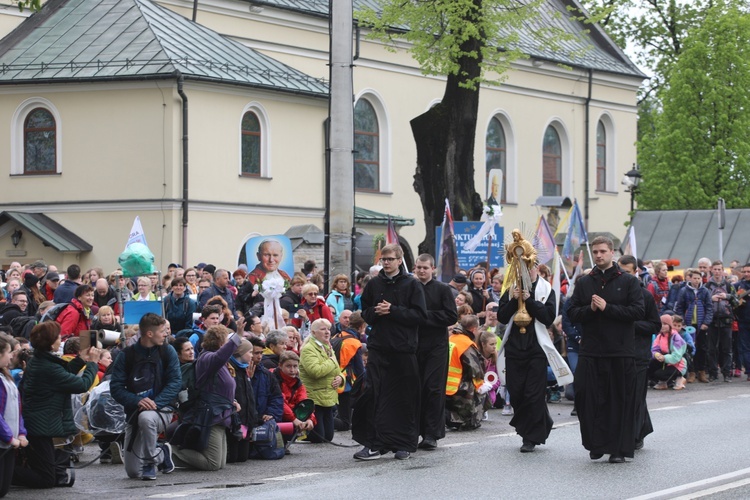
pixel 589 48
pixel 88 40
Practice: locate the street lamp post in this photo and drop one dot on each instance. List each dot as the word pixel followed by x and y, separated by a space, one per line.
pixel 631 181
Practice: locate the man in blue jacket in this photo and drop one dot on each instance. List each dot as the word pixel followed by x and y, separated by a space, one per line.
pixel 146 379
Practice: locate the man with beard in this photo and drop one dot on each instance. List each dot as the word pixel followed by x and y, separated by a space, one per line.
pixel 607 303
pixel 432 351
pixel 644 331
pixel 386 415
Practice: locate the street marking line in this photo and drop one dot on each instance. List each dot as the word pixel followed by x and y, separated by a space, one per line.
pixel 456 445
pixel 505 434
pixel 739 396
pixel 565 424
pixel 292 476
pixel 178 494
pixel 696 486
pixel 706 401
pixel 716 489
pixel 666 408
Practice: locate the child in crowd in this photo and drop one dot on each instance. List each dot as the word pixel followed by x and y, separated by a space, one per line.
pixel 667 365
pixel 488 349
pixel 293 391
pixel 687 333
pixel 12 430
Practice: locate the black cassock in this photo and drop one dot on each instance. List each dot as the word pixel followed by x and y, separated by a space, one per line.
pixel 432 356
pixel 644 331
pixel 526 368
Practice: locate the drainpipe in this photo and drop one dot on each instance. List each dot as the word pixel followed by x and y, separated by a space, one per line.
pixel 586 189
pixel 180 83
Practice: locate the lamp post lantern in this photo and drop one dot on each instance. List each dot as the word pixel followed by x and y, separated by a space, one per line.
pixel 631 181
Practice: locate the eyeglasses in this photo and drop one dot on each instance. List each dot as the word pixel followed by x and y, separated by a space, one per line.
pixel 387 259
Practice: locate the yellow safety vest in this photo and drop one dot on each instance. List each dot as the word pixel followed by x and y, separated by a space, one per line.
pixel 457 345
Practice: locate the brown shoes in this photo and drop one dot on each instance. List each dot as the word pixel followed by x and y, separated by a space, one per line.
pixel 702 377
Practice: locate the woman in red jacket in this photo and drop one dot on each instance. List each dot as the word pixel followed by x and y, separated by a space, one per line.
pixel 76 317
pixel 312 307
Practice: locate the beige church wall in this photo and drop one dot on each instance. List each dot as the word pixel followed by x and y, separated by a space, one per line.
pixel 116 143
pixel 297 151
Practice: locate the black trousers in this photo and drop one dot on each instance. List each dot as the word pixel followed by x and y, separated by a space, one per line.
pixel 7 463
pixel 39 471
pixel 719 352
pixel 433 371
pixel 643 425
pixel 343 420
pixel 526 381
pixel 659 372
pixel 323 429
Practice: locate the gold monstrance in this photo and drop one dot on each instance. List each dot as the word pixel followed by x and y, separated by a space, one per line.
pixel 521 257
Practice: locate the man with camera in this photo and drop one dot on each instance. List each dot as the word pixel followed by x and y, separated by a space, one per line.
pixel 146 379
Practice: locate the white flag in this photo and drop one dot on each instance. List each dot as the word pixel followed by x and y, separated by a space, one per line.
pixel 136 233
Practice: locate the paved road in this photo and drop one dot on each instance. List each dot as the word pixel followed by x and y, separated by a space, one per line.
pixel 701 434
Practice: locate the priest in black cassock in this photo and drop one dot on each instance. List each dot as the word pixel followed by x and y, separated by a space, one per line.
pixel 644 332
pixel 386 414
pixel 606 302
pixel 432 351
pixel 526 361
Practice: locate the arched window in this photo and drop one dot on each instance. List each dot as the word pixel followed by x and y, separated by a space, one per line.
pixel 495 157
pixel 367 147
pixel 552 163
pixel 39 142
pixel 251 145
pixel 601 157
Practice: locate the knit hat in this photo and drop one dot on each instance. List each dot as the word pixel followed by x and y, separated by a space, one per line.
pixel 459 278
pixel 242 349
pixel 30 280
pixel 666 319
pixel 210 269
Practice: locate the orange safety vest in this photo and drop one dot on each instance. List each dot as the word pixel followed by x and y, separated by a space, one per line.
pixel 457 345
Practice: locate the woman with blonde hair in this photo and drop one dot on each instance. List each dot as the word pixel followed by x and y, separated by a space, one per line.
pixel 320 373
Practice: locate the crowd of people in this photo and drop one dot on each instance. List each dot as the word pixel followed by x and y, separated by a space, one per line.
pixel 395 356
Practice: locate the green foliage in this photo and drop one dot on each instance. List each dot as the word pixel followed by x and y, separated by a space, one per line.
pixel 699 147
pixel 442 33
pixel 35 5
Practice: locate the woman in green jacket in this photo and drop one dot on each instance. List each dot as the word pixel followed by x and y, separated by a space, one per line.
pixel 319 371
pixel 47 384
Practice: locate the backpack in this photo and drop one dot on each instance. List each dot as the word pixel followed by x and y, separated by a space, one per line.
pixel 19 324
pixel 143 373
pixel 267 442
pixel 722 308
pixel 54 311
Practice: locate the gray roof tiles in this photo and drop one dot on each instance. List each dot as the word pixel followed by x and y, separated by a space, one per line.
pixel 91 39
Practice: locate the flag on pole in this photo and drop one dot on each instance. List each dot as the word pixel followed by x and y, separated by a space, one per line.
pixel 629 247
pixel 578 271
pixel 576 233
pixel 447 261
pixel 391 236
pixel 556 281
pixel 136 233
pixel 544 242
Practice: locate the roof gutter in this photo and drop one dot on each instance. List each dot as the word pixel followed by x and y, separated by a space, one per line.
pixel 587 153
pixel 185 170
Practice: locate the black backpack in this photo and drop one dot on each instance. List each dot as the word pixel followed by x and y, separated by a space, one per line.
pixel 143 373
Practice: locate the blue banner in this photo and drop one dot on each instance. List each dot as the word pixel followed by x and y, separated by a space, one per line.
pixel 467 259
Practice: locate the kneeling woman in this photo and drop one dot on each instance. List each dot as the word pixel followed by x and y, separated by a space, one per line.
pixel 319 371
pixel 48 383
pixel 213 378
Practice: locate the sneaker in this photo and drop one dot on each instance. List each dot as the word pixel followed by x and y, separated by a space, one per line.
pixel 727 378
pixel 148 472
pixel 402 455
pixel 485 416
pixel 66 478
pixel 167 464
pixel 367 454
pixel 555 397
pixel 507 411
pixel 106 457
pixel 738 373
pixel 116 451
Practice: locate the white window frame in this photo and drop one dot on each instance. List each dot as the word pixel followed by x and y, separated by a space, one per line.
pixel 609 130
pixel 265 140
pixel 384 138
pixel 566 187
pixel 511 178
pixel 17 136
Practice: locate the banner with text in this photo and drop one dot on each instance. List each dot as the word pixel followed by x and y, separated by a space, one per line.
pixel 464 232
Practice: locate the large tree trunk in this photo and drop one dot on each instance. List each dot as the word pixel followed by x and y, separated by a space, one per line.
pixel 444 137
